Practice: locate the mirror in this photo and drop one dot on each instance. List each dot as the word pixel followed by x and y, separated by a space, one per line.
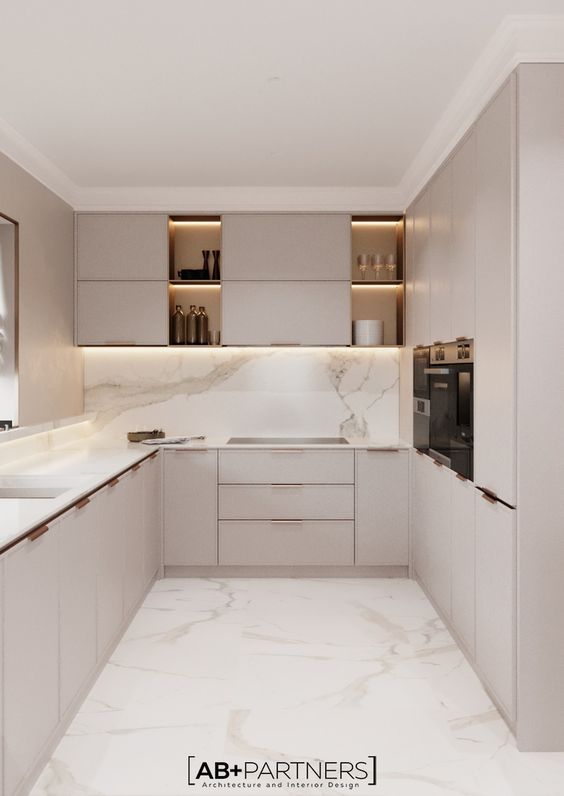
pixel 8 323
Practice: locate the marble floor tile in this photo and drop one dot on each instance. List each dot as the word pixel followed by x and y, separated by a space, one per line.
pixel 292 669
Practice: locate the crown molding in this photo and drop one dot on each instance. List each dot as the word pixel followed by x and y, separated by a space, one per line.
pixel 242 199
pixel 30 159
pixel 519 39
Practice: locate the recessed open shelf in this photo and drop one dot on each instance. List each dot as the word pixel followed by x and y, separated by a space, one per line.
pixel 384 235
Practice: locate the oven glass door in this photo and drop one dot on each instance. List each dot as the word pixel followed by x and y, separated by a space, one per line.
pixel 450 433
pixel 420 377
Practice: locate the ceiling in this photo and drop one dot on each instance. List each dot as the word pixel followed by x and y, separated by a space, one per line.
pixel 180 93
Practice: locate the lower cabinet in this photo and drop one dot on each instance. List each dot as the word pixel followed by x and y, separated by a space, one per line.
pixel 463 561
pixel 110 564
pixel 77 533
pixel 31 653
pixel 190 508
pixel 152 497
pixel 286 542
pixel 134 537
pixel 495 598
pixel 382 508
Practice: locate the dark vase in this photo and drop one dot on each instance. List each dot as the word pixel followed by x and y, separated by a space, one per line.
pixel 206 254
pixel 215 274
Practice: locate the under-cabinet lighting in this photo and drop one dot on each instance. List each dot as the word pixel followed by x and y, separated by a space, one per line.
pixel 378 284
pixel 380 223
pixel 197 223
pixel 185 287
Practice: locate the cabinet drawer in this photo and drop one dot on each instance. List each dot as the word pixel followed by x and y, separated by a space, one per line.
pixel 286 501
pixel 286 466
pixel 286 313
pixel 286 543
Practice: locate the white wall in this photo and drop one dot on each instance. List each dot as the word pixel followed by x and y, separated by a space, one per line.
pixel 8 322
pixel 245 391
pixel 50 368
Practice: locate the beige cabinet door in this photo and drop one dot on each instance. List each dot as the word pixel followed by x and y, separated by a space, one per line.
pixel 494 371
pixel 278 313
pixel 132 485
pixel 495 599
pixel 409 276
pixel 463 560
pixel 286 466
pixel 279 246
pixel 418 518
pixel 152 494
pixel 31 653
pixel 110 564
pixel 440 257
pixel 463 260
pixel 122 313
pixel 439 536
pixel 122 246
pixel 421 270
pixel 382 508
pixel 77 561
pixel 190 508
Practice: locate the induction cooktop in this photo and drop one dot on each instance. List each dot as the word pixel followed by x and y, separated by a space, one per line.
pixel 287 441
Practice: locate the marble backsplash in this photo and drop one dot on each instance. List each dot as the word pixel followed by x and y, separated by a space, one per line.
pixel 245 391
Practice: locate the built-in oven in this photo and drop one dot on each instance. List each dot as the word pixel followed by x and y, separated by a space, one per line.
pixel 421 403
pixel 451 389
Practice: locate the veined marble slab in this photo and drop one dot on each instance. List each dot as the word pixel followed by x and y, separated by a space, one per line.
pixel 224 392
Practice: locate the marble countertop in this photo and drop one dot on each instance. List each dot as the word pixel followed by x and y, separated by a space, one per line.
pixel 221 442
pixel 83 467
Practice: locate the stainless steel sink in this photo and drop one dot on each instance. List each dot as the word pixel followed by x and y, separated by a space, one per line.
pixel 287 441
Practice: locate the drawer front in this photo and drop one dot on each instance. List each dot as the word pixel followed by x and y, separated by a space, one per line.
pixel 285 501
pixel 286 543
pixel 286 466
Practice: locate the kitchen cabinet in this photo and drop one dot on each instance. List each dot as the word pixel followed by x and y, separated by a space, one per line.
pixel 494 373
pixel 286 543
pixel 286 246
pixel 286 501
pixel 440 256
pixel 122 313
pixel 112 516
pixel 286 466
pixel 293 313
pixel 77 531
pixel 132 497
pixel 409 276
pixel 152 495
pixel 463 239
pixel 421 270
pixel 190 507
pixel 128 246
pixel 31 653
pixel 495 598
pixel 463 560
pixel 382 508
pixel 431 529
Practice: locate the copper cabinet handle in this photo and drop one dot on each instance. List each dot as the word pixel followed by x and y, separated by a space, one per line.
pixel 384 450
pixel 153 454
pixel 437 342
pixel 489 498
pixel 82 503
pixel 113 482
pixel 461 338
pixel 436 463
pixel 136 467
pixel 286 450
pixel 461 477
pixel 286 486
pixel 418 452
pixel 38 532
pixel 286 522
pixel 190 450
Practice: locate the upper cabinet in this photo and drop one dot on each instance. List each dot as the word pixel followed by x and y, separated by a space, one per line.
pixel 421 270
pixel 122 246
pixel 278 246
pixel 494 373
pixel 463 239
pixel 440 256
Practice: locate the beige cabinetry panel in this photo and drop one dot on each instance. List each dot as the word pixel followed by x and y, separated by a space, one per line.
pixel 421 270
pixel 279 313
pixel 126 246
pixel 132 486
pixel 495 599
pixel 463 558
pixel 382 508
pixel 112 517
pixel 463 250
pixel 440 256
pixel 77 532
pixel 31 653
pixel 286 466
pixel 122 313
pixel 280 246
pixel 152 496
pixel 190 508
pixel 286 501
pixel 494 372
pixel 286 542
